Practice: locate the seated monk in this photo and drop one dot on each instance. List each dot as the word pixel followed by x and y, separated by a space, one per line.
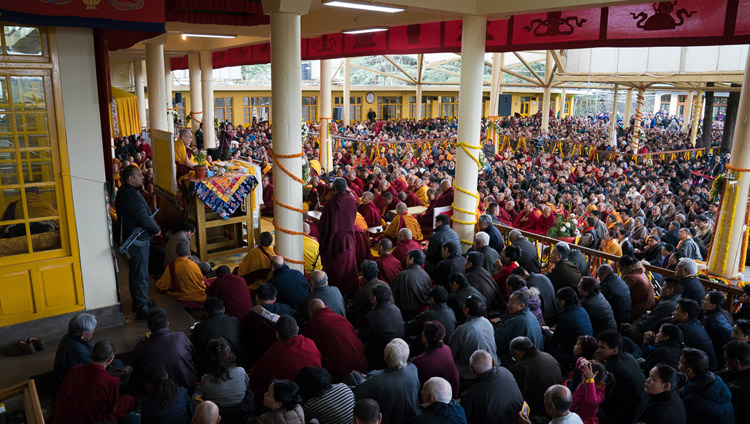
pixel 503 214
pixel 182 153
pixel 370 211
pixel 526 220
pixel 445 199
pixel 384 202
pixel 267 207
pixel 183 279
pixel 311 250
pixel 421 192
pixel 388 265
pixel 409 198
pixel 546 221
pixel 256 265
pixel 404 245
pixel 403 220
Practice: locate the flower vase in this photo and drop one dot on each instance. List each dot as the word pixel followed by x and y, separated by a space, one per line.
pixel 200 171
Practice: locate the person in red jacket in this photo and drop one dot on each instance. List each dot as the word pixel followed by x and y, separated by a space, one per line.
pixel 336 339
pixel 287 355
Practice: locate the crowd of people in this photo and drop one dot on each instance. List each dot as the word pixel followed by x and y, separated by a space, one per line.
pixel 413 330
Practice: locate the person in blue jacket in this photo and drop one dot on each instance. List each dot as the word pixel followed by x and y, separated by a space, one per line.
pixel 572 321
pixel 694 335
pixel 718 323
pixel 707 399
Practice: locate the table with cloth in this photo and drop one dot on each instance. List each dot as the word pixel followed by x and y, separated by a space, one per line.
pixel 220 230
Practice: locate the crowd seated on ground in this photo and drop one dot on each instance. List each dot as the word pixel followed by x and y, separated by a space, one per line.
pixel 507 334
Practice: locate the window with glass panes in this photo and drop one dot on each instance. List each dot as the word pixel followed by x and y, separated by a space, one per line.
pixel 223 109
pixel 665 100
pixel 355 106
pixel 389 107
pixel 256 107
pixel 309 108
pixel 179 109
pixel 449 106
pixel 426 107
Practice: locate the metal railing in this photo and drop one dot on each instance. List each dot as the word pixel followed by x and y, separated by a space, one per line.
pixel 596 257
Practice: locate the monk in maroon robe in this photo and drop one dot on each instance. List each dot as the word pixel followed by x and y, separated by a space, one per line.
pixel 400 185
pixel 388 265
pixel 336 339
pixel 370 211
pixel 231 289
pixel 545 222
pixel 404 245
pixel 355 188
pixel 526 220
pixel 90 394
pixel 503 216
pixel 445 199
pixel 409 198
pixel 267 207
pixel 337 238
pixel 286 356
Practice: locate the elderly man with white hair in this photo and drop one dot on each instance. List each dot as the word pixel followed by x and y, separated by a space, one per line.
pixel 494 396
pixel 686 271
pixel 439 407
pixel 486 225
pixel 489 255
pixel 395 389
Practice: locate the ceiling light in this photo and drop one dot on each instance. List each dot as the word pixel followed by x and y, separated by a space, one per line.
pixel 184 36
pixel 364 30
pixel 361 6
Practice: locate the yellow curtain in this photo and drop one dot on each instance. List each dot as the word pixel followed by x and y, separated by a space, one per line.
pixel 126 108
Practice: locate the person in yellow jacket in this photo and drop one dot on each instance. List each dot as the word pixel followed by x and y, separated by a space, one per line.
pixel 183 279
pixel 311 249
pixel 256 265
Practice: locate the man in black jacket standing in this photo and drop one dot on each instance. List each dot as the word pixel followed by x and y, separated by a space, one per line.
pixel 133 212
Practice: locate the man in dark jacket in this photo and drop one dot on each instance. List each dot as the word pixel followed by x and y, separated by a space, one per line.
pixel 707 399
pixel 666 350
pixel 671 292
pixel 529 256
pixel 496 239
pixel 546 292
pixel 172 350
pixel 452 262
pixel 460 291
pixel 692 287
pixel 379 326
pixel 494 396
pixel 622 405
pixel 439 406
pixel 438 311
pixel 599 310
pixel 685 316
pixel 521 322
pixel 217 324
pixel 534 372
pixel 443 233
pixel 74 348
pixel 572 321
pixel 737 378
pixel 133 212
pixel 482 280
pixel 330 295
pixel 411 288
pixel 396 388
pixel 291 285
pixel 616 292
pixel 564 273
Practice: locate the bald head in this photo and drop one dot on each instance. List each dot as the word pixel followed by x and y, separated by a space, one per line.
pixel 306 228
pixel 339 185
pixel 557 400
pixel 404 234
pixel 445 185
pixel 206 413
pixel 313 306
pixel 480 362
pixel 401 208
pixel 367 197
pixel 276 262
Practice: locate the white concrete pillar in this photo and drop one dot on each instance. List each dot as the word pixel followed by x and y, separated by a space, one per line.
pixel 469 115
pixel 157 110
pixel 686 117
pixel 207 91
pixel 636 135
pixel 287 140
pixel 573 102
pixel 545 98
pixel 196 96
pixel 418 107
pixel 168 93
pixel 613 120
pixel 345 114
pixel 563 100
pixel 628 108
pixel 727 253
pixel 326 155
pixel 139 91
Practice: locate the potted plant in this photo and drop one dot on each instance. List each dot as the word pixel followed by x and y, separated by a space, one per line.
pixel 201 166
pixel 564 229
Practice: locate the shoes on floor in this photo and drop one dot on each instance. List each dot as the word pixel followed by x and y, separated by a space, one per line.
pixel 38 344
pixel 19 349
